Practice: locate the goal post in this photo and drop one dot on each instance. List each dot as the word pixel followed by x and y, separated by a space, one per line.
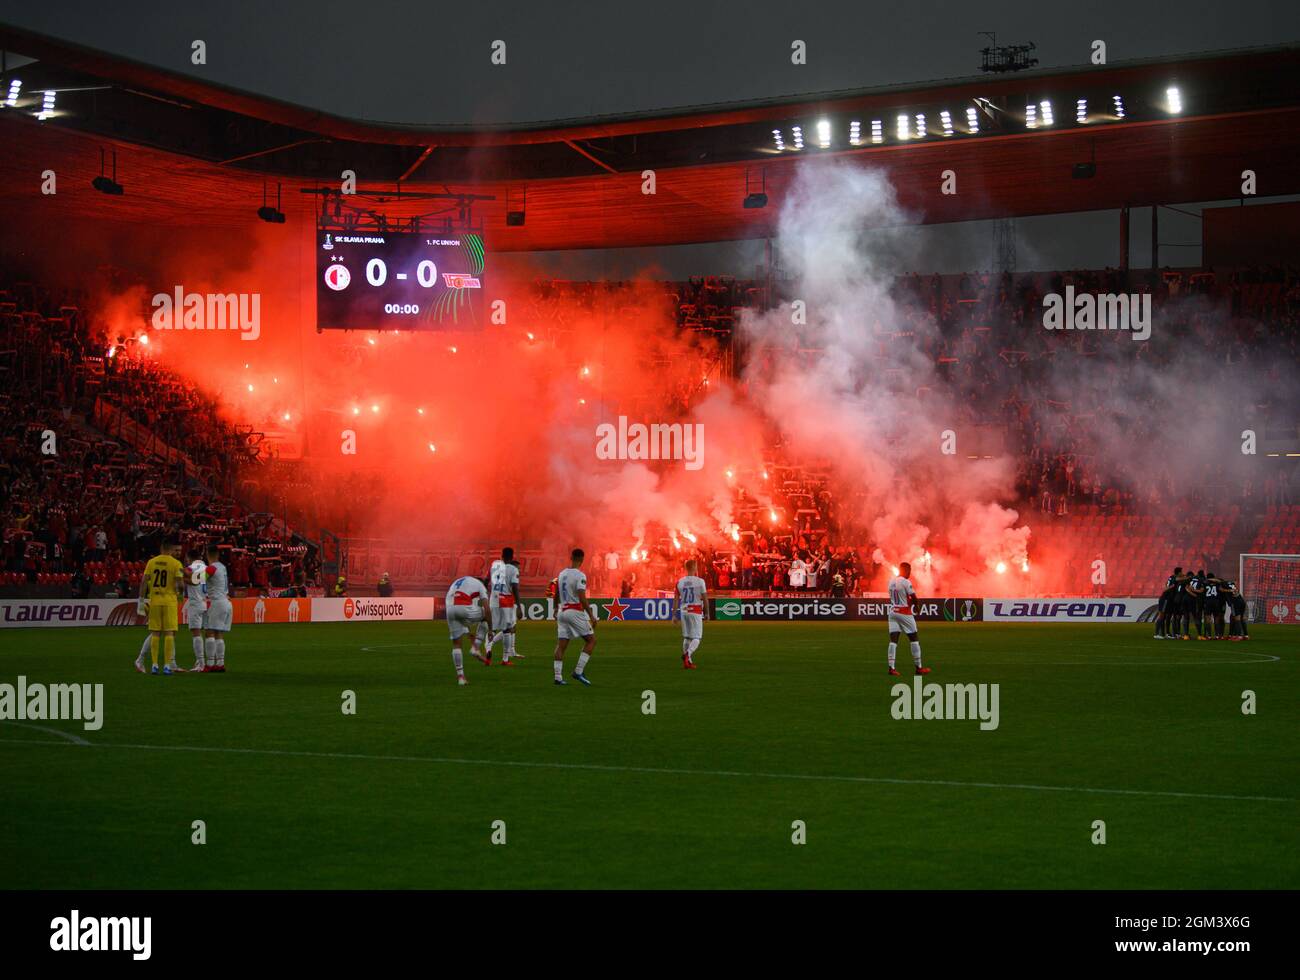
pixel 1271 587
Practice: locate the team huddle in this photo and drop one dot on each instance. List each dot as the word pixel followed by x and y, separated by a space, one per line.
pixel 1204 602
pixel 203 587
pixel 488 615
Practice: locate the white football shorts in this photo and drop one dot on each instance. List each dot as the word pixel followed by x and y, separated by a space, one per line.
pixel 899 623
pixel 220 615
pixel 461 619
pixel 503 617
pixel 572 624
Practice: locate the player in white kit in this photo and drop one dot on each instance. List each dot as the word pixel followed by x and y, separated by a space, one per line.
pixel 574 618
pixel 196 604
pixel 221 614
pixel 503 578
pixel 688 604
pixel 142 609
pixel 902 617
pixel 467 606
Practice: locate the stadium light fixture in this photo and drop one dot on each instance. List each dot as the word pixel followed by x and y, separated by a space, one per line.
pixel 1173 100
pixel 824 133
pixel 1031 116
pixel 107 185
pixel 515 212
pixel 921 129
pixel 15 87
pixel 1045 112
pixel 902 127
pixel 47 105
pixel 271 215
pixel 797 133
pixel 1118 103
pixel 1081 111
pixel 855 132
pixel 946 119
pixel 972 120
pixel 778 139
pixel 877 131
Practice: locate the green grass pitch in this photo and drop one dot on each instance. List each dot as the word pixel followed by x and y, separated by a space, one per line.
pixel 782 722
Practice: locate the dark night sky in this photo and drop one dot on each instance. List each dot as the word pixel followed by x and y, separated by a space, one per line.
pixel 420 62
pixel 427 63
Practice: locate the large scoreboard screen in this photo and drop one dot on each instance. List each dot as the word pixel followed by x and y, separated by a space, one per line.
pixel 399 281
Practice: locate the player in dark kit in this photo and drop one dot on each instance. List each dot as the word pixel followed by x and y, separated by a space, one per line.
pixel 1195 590
pixel 1213 605
pixel 1240 630
pixel 1184 606
pixel 1165 608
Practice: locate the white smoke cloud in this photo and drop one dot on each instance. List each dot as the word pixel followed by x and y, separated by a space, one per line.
pixel 857 388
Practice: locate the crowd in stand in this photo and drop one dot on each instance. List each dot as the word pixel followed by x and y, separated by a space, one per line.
pixel 92 470
pixel 140 452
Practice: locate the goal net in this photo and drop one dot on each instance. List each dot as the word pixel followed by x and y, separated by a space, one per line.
pixel 1271 587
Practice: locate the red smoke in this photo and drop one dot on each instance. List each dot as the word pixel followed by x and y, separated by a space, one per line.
pixel 490 437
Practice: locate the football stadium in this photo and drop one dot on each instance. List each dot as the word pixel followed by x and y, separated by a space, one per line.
pixel 868 447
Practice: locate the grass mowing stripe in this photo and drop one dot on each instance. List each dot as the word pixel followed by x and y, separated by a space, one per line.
pixel 315 763
pixel 656 771
pixel 68 736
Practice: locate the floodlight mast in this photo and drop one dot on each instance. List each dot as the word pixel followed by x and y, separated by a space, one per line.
pixel 1006 57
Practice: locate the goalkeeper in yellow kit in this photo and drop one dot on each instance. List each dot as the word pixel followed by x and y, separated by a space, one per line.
pixel 161 587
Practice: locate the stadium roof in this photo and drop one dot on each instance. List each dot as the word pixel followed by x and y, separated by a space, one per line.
pixel 193 153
